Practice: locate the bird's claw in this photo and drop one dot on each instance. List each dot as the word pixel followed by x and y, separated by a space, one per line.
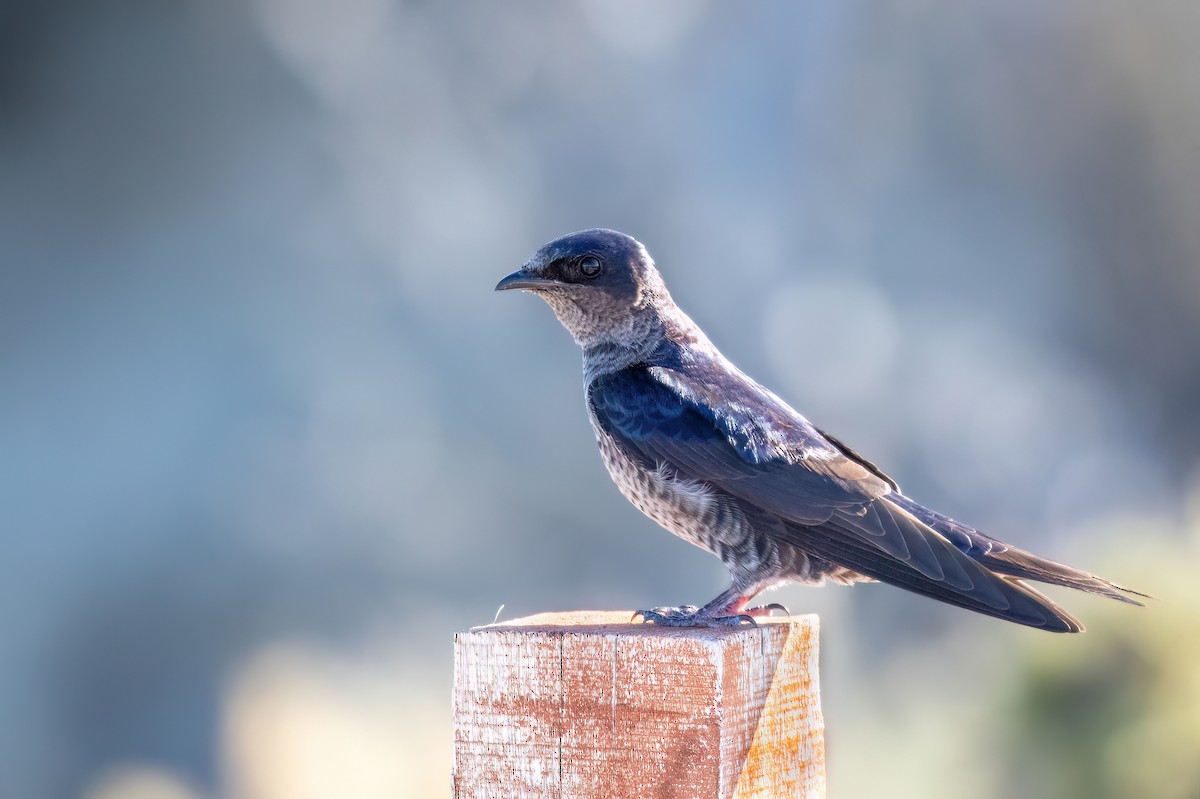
pixel 765 610
pixel 679 611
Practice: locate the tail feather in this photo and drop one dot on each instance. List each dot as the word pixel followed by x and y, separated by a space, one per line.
pixel 991 594
pixel 1011 561
pixel 1027 566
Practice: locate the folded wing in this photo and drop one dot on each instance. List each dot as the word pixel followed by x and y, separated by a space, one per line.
pixel 742 440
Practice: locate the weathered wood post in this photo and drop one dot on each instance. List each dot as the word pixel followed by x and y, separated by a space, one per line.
pixel 582 705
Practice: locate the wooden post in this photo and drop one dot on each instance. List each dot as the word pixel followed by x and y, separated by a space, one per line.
pixel 582 705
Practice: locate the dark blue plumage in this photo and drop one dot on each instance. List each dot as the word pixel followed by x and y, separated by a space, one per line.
pixel 722 462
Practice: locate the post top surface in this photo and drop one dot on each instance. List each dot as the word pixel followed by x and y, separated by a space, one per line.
pixel 618 622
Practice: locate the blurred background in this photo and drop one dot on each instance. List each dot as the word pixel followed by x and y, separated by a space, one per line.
pixel 267 438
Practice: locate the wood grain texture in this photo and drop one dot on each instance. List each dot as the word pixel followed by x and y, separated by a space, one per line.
pixel 586 705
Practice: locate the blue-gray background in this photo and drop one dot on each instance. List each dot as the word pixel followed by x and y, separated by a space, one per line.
pixel 267 438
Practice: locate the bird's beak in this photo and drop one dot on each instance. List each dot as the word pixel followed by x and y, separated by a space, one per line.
pixel 521 279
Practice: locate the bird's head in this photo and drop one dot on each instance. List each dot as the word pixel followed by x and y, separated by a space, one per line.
pixel 601 284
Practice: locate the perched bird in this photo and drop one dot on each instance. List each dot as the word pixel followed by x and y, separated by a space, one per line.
pixel 720 461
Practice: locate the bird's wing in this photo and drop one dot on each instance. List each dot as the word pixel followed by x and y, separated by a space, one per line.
pixel 748 444
pixel 737 437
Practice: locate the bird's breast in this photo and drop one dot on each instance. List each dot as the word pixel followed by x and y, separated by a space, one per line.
pixel 691 510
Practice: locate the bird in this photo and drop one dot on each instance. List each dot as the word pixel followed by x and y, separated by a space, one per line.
pixel 722 462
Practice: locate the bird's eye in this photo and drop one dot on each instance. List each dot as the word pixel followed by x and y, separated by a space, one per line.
pixel 589 265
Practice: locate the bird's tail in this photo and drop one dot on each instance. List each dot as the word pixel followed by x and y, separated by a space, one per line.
pixel 1006 559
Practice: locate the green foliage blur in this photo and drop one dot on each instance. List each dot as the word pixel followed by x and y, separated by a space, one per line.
pixel 1118 714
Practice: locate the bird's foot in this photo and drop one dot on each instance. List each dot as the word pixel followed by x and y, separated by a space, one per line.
pixel 728 609
pixel 690 616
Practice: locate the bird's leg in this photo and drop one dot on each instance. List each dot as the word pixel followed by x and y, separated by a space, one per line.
pixel 728 609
